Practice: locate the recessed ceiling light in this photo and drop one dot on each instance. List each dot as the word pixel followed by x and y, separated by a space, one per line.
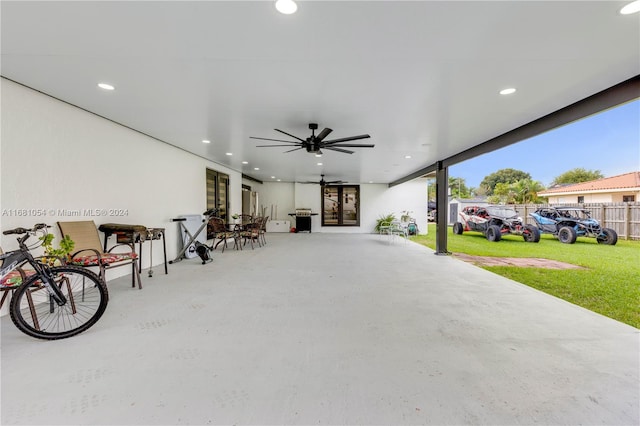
pixel 229 153
pixel 106 86
pixel 632 7
pixel 245 162
pixel 206 141
pixel 407 156
pixel 286 6
pixel 318 155
pixel 370 181
pixel 256 168
pixel 508 91
pixel 273 177
pixel 319 164
pixel 279 180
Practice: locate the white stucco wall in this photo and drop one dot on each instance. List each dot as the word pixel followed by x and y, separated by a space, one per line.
pixel 56 157
pixel 375 200
pixel 602 197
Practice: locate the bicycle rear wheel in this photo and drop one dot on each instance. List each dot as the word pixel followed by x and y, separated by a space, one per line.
pixel 35 312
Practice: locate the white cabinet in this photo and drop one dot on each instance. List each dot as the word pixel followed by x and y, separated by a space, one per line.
pixel 278 226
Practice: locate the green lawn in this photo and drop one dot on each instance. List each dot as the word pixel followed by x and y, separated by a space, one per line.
pixel 610 284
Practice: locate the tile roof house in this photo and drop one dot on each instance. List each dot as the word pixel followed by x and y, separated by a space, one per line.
pixel 615 189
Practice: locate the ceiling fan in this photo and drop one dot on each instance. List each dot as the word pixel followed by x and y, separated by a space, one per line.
pixel 315 143
pixel 323 182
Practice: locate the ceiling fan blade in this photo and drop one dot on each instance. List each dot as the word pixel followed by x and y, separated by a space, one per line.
pixel 338 149
pixel 323 134
pixel 275 140
pixel 335 181
pixel 262 146
pixel 350 138
pixel 288 134
pixel 295 149
pixel 351 145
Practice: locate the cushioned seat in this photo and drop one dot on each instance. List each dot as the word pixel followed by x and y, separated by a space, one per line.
pixel 14 278
pixel 106 259
pixel 91 254
pixel 11 281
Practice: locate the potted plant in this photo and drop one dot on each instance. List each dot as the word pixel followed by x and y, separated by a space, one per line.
pixel 52 254
pixel 405 216
pixel 384 219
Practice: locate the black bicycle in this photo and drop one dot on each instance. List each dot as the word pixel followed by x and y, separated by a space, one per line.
pixel 52 302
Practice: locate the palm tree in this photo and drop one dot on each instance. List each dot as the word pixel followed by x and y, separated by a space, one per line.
pixel 527 190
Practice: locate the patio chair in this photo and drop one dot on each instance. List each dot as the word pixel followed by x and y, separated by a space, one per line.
pixel 384 228
pixel 400 229
pixel 245 219
pixel 91 254
pixel 12 281
pixel 251 232
pixel 263 230
pixel 217 230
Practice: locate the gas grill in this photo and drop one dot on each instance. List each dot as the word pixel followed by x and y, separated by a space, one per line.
pixel 303 219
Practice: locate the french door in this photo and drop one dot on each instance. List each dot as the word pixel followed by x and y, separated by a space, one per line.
pixel 218 192
pixel 341 205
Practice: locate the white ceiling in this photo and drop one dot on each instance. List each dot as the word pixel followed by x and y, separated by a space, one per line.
pixel 421 77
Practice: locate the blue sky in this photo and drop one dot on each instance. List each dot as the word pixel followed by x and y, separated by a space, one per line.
pixel 608 141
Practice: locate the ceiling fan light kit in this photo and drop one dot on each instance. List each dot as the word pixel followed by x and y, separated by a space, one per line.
pixel 315 143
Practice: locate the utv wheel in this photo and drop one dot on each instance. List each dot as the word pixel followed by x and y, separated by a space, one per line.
pixel 567 235
pixel 608 237
pixel 493 233
pixel 531 234
pixel 458 228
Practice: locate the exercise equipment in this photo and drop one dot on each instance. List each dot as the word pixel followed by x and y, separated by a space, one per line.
pixel 191 247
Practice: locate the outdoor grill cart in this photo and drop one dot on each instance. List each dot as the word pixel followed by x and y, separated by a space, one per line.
pixel 303 219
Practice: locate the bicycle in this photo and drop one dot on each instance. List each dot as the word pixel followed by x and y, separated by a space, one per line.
pixel 52 302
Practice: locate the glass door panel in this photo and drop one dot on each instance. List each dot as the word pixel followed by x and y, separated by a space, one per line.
pixel 223 195
pixel 218 192
pixel 331 205
pixel 349 206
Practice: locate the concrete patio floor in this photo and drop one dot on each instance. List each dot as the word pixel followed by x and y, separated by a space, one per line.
pixel 336 329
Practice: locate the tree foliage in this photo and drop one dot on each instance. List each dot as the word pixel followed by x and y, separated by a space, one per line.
pixel 523 191
pixel 458 188
pixel 577 175
pixel 506 176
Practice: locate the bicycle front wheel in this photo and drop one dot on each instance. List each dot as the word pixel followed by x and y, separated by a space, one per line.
pixel 34 311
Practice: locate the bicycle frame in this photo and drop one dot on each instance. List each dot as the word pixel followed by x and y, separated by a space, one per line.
pixel 15 259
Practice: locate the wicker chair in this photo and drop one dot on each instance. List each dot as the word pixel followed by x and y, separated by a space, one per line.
pixel 251 232
pixel 217 230
pixel 246 219
pixel 91 254
pixel 263 230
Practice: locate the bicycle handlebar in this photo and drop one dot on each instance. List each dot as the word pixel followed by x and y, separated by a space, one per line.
pixel 16 231
pixel 36 227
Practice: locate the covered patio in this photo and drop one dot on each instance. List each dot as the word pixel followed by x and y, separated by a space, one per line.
pixel 328 328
